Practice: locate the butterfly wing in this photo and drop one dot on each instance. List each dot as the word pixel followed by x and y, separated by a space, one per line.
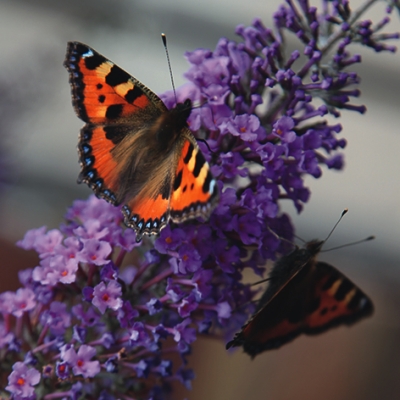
pixel 188 188
pixel 336 301
pixel 195 192
pixel 316 299
pixel 117 109
pixel 102 92
pixel 279 316
pixel 132 150
pixel 260 332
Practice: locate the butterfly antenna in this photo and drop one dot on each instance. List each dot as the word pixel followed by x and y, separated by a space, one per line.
pixel 282 238
pixel 299 238
pixel 262 281
pixel 344 212
pixel 164 39
pixel 350 244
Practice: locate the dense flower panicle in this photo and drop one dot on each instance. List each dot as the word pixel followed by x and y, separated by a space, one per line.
pixel 101 314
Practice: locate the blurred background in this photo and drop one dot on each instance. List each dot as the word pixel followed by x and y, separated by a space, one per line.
pixel 38 138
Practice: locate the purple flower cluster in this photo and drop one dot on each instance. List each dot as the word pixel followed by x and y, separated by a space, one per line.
pixel 103 317
pixel 90 317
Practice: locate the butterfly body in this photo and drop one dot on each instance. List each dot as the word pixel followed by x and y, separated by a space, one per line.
pixel 133 151
pixel 304 296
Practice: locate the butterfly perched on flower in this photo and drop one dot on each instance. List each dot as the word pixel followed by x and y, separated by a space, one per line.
pixel 304 296
pixel 133 151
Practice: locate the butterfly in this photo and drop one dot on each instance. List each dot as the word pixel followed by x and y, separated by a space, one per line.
pixel 304 296
pixel 133 150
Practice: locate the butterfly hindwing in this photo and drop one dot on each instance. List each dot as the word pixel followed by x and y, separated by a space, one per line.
pixel 132 149
pixel 188 189
pixel 194 190
pixel 308 297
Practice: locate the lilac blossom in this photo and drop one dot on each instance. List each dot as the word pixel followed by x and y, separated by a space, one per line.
pixel 21 301
pixel 102 307
pixel 22 380
pixel 80 361
pixel 107 296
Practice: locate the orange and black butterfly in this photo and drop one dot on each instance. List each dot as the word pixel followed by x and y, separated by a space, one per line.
pixel 133 150
pixel 304 296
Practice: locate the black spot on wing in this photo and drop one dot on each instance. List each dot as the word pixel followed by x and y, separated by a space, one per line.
pixel 328 284
pixel 200 161
pixel 102 98
pixel 114 111
pixel 116 76
pixel 94 61
pixel 133 94
pixel 178 180
pixel 116 133
pixel 188 154
pixel 343 289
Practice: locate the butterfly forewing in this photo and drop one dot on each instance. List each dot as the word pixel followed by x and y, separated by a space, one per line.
pixel 339 300
pixel 103 92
